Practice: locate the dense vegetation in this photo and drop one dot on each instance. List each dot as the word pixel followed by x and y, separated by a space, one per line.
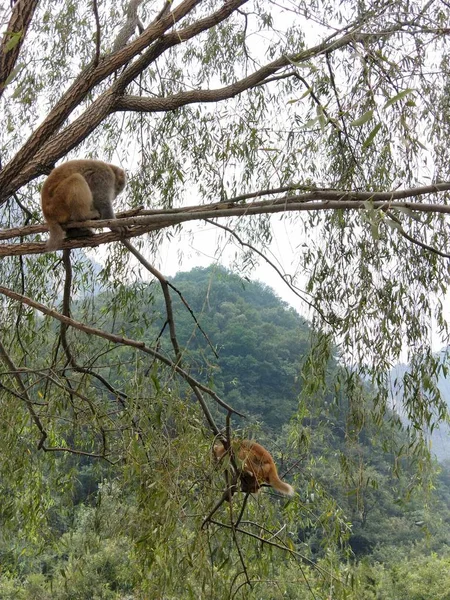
pixel 311 135
pixel 369 530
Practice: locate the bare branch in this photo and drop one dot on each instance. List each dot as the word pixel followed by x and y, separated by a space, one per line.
pixel 24 393
pixel 227 493
pixel 97 33
pixel 315 200
pixel 129 27
pixel 117 340
pixel 196 321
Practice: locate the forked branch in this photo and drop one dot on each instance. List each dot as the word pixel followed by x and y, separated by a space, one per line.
pixel 141 346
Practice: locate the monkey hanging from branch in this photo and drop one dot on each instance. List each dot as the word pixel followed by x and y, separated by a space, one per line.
pixel 252 466
pixel 79 190
pixel 256 466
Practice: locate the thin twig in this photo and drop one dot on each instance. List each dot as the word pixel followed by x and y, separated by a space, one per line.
pixel 244 504
pixel 24 392
pixel 118 340
pixel 167 299
pixel 269 262
pixel 236 543
pixel 225 497
pixel 200 328
pixel 412 239
pixel 307 560
pixel 317 101
pixel 341 113
pixel 171 322
pixel 205 410
pixel 165 284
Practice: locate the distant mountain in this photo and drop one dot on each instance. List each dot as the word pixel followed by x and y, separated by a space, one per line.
pixel 440 437
pixel 259 339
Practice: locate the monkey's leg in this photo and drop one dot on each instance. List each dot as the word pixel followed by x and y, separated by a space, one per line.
pixel 107 212
pixel 80 203
pixel 79 232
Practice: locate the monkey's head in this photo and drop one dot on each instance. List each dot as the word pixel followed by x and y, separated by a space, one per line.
pixel 219 450
pixel 120 179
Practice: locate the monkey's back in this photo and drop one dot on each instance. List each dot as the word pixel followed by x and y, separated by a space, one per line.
pixel 257 460
pixel 95 172
pixel 257 466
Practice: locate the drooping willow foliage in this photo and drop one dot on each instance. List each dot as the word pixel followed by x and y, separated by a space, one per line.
pixel 334 115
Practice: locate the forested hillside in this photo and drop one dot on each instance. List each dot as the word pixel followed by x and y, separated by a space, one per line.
pixel 81 528
pixel 259 340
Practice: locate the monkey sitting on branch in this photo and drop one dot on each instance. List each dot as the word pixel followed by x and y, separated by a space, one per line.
pixel 257 466
pixel 79 190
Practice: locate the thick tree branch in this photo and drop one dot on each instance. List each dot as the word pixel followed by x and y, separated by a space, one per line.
pixel 13 38
pixel 77 92
pixel 315 200
pixel 45 146
pixel 140 104
pixel 137 103
pixel 61 143
pixel 175 38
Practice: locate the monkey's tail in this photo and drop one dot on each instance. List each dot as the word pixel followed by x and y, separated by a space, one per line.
pixel 56 235
pixel 279 485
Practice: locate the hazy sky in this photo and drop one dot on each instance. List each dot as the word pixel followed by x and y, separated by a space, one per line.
pixel 208 245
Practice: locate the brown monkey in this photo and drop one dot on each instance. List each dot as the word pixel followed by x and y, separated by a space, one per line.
pixel 257 463
pixel 76 191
